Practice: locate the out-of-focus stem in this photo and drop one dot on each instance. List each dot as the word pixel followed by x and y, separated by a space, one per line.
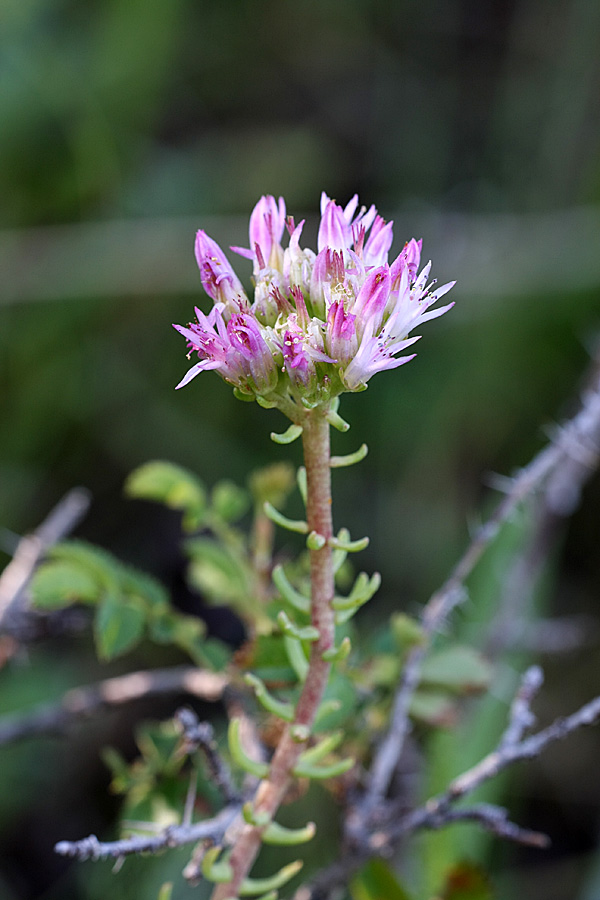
pixel 270 793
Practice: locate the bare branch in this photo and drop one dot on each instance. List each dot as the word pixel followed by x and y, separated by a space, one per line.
pixel 576 444
pixel 389 751
pixel 200 736
pixel 511 749
pixel 80 703
pixel 31 548
pixel 521 717
pixel 173 836
pixel 392 826
pixel 493 819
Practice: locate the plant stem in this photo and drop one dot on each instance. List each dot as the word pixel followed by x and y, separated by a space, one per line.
pixel 271 791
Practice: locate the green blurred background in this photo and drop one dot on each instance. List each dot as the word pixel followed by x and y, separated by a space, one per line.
pixel 127 124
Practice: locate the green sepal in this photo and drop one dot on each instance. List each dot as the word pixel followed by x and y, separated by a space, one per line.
pixel 286 437
pixel 337 654
pixel 315 541
pixel 307 770
pixel 239 755
pixel 320 750
pixel 349 546
pixel 302 483
pixel 259 820
pixel 294 597
pixel 266 404
pixel 297 657
pixel 278 834
pixel 279 708
pixel 252 886
pixel 246 396
pixel 338 462
pixel 308 633
pixel 219 872
pixel 298 525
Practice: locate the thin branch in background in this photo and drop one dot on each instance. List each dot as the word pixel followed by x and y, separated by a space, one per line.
pixel 564 466
pixel 511 749
pixel 14 579
pixel 390 749
pixel 200 736
pixel 173 836
pixel 582 431
pixel 439 811
pixel 80 703
pixel 558 500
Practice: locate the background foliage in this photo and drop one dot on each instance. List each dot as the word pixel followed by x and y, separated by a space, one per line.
pixel 126 124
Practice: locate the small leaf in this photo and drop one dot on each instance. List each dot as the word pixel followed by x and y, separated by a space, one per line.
pixel 146 587
pixel 279 835
pixel 252 886
pixel 119 625
pixel 376 881
pixel 406 631
pixel 173 486
pixel 218 572
pixel 458 668
pixel 229 501
pixel 433 708
pixel 272 484
pixel 291 434
pixel 56 584
pixel 239 755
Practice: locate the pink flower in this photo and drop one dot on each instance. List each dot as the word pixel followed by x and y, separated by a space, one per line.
pixel 236 349
pixel 267 224
pixel 318 324
pixel 218 278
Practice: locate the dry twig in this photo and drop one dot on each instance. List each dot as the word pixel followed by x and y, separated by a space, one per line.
pixel 80 703
pixel 31 548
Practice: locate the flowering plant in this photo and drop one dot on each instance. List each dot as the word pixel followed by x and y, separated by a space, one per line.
pixel 320 323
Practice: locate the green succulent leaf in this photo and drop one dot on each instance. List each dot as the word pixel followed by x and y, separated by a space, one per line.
pixel 252 886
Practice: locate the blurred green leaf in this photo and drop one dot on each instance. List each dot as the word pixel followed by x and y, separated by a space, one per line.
pixel 119 625
pixel 406 631
pixel 166 891
pixel 101 564
pixel 266 656
pixel 57 584
pixel 172 485
pixel 218 572
pixel 146 587
pixel 433 708
pixel 376 881
pixel 458 668
pixel 230 502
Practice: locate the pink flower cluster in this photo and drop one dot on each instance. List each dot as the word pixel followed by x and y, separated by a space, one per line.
pixel 320 323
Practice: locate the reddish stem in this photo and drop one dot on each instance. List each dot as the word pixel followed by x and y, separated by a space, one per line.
pixel 271 791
